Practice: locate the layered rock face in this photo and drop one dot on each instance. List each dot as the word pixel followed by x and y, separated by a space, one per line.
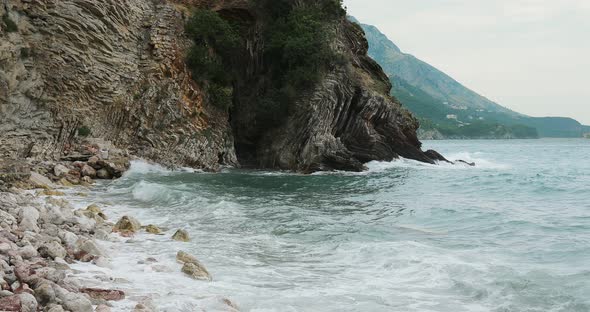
pixel 347 120
pixel 117 68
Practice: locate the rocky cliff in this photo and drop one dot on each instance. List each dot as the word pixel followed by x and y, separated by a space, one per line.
pixel 117 69
pixel 114 67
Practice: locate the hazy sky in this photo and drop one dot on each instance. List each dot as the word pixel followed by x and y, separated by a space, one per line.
pixel 532 56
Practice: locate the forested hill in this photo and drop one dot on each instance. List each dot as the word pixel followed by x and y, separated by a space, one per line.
pixel 447 109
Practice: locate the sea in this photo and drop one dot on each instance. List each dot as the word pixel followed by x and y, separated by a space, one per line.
pixel 511 234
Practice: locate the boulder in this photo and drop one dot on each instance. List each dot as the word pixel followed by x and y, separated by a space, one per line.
pixel 65 182
pixel 69 239
pixel 73 301
pixel 146 305
pixel 60 170
pixel 196 272
pixel 181 236
pixel 39 181
pixel 11 303
pixel 29 218
pixel 89 247
pixel 44 293
pixel 88 171
pixel 104 294
pixel 55 308
pixel 28 302
pixel 103 174
pixel 192 267
pixel 28 252
pixel 127 225
pixel 93 162
pixel 152 229
pixel 52 250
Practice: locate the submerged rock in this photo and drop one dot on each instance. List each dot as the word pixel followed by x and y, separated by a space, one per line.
pixel 196 272
pixel 152 229
pixel 181 236
pixel 127 225
pixel 192 267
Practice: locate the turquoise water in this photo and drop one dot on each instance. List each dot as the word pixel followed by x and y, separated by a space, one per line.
pixel 511 234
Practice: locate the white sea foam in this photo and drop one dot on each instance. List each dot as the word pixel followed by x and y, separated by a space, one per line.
pixel 480 163
pixel 460 245
pixel 141 166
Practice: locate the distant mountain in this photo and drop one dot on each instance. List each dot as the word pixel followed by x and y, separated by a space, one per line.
pixel 451 109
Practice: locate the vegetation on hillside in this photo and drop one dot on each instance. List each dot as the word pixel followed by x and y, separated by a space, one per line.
pixel 9 24
pixel 216 42
pixel 296 55
pixel 297 52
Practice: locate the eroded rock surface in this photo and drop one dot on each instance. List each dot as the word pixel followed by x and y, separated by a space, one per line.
pixel 114 67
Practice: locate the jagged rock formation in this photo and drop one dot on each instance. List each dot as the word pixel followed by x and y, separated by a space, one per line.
pixel 348 120
pixel 117 67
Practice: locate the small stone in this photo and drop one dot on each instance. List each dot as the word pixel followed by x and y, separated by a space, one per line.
pixel 104 294
pixel 56 308
pixel 73 301
pixel 40 181
pixel 93 162
pixel 60 170
pixel 28 252
pixel 181 236
pixel 69 239
pixel 102 262
pixel 103 174
pixel 88 171
pixel 29 217
pixel 184 257
pixel 52 250
pixel 10 304
pixel 146 305
pixel 45 293
pixel 87 180
pixel 127 225
pixel 196 272
pixel 94 208
pixel 89 247
pixel 152 229
pixel 102 308
pixel 65 182
pixel 5 293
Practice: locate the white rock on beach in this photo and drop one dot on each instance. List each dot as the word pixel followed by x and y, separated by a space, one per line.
pixel 60 170
pixel 40 181
pixel 73 301
pixel 28 252
pixel 29 217
pixel 54 250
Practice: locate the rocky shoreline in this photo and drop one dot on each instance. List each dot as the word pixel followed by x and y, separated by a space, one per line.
pixel 42 236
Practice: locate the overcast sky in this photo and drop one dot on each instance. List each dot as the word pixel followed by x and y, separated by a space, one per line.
pixel 532 56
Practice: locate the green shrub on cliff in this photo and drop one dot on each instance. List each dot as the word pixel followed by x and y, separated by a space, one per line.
pixel 216 42
pixel 297 51
pixel 84 131
pixel 9 24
